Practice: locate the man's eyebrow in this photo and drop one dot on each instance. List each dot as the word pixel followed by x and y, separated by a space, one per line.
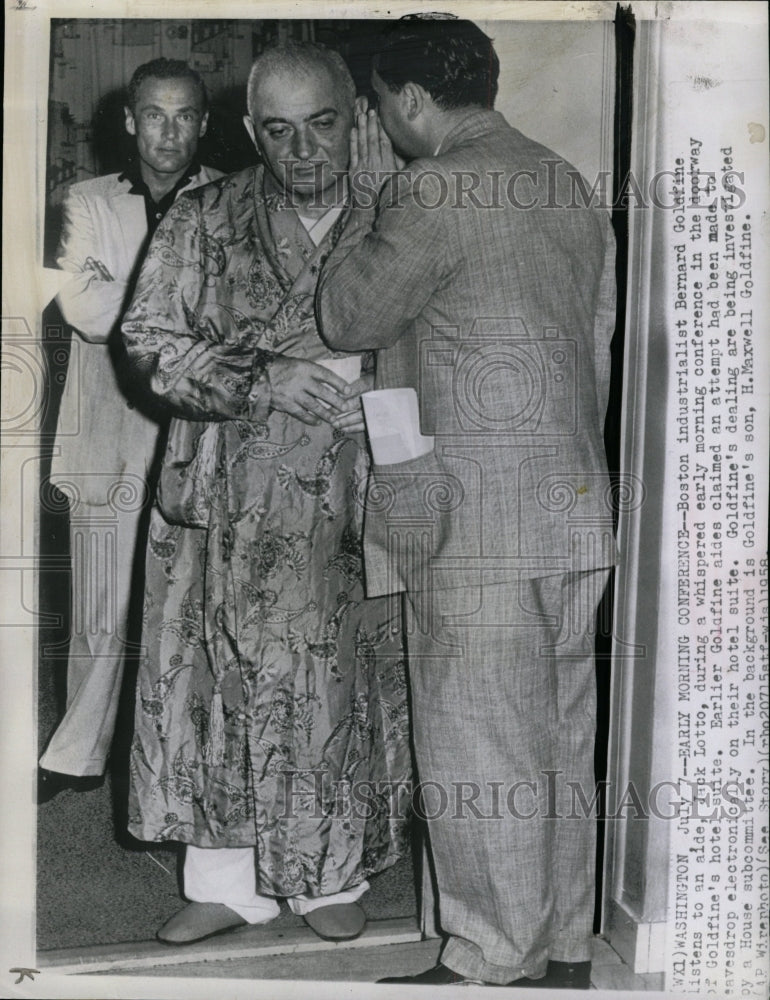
pixel 310 118
pixel 157 107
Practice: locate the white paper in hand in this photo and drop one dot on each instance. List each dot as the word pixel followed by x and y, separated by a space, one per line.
pixel 393 425
pixel 348 368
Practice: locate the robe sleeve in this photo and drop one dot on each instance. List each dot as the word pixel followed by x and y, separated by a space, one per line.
pixel 377 280
pixel 87 302
pixel 176 352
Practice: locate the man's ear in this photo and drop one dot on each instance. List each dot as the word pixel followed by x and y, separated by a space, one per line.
pixel 249 124
pixel 130 122
pixel 204 125
pixel 360 105
pixel 412 97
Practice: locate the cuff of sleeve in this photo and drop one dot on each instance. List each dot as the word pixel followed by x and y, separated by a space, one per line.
pixel 260 395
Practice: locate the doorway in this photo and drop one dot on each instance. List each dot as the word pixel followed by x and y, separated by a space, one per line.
pixel 95 884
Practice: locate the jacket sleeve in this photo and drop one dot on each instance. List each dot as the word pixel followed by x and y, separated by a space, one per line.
pixel 605 318
pixel 377 280
pixel 88 303
pixel 175 350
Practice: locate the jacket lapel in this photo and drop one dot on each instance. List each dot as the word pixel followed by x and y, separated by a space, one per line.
pixel 132 223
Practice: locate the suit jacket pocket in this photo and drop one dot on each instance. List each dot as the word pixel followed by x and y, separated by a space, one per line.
pixel 419 489
pixel 410 511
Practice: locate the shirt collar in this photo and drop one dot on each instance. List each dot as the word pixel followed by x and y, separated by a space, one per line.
pixel 132 173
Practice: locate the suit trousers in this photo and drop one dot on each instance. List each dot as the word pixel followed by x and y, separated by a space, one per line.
pixel 503 692
pixel 103 544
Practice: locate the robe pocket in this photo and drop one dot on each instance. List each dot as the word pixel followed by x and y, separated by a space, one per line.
pixel 188 476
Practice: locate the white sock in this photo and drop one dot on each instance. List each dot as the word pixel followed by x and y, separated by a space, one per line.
pixel 304 904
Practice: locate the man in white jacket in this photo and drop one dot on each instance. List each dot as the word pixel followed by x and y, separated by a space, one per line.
pixel 105 442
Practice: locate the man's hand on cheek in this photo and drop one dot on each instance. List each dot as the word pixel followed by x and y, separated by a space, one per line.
pixel 372 158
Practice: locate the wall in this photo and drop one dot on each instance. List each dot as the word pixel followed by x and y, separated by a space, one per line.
pixel 557 85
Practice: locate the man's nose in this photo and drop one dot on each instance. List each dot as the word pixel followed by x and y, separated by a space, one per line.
pixel 304 146
pixel 169 128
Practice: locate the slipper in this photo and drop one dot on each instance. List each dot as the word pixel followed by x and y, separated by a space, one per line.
pixel 337 922
pixel 198 921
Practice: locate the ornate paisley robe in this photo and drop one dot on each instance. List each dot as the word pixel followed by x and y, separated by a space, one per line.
pixel 271 702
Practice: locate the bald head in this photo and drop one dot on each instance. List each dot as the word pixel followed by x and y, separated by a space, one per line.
pixel 299 59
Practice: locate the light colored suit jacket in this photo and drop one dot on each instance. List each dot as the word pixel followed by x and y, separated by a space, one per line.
pixel 102 438
pixel 497 306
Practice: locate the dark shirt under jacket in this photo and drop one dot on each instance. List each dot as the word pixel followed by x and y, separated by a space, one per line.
pixel 155 210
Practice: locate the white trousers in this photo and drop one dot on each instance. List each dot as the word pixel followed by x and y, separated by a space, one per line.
pixel 227 875
pixel 102 549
